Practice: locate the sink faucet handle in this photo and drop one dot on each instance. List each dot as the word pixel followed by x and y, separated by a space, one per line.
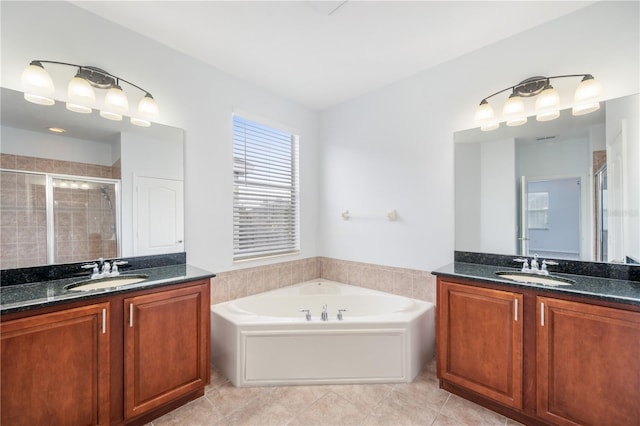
pixel 307 315
pixel 543 269
pixel 340 311
pixel 95 271
pixel 525 263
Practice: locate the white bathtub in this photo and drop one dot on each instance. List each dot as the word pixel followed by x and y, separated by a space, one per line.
pixel 265 340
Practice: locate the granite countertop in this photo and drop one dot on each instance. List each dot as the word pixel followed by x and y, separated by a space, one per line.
pixel 607 289
pixel 22 297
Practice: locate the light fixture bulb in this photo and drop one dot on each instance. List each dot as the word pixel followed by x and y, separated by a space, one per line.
pixel 115 104
pixel 484 111
pixel 547 104
pixel 586 97
pixel 116 100
pixel 81 95
pixel 486 117
pixel 148 108
pixel 513 111
pixel 489 126
pixel 137 121
pixel 37 84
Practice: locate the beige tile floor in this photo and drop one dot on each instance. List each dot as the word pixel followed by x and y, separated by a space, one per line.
pixel 418 403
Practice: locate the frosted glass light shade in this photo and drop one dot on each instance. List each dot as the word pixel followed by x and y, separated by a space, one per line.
pixel 147 111
pixel 37 84
pixel 81 95
pixel 486 117
pixel 137 121
pixel 484 112
pixel 115 104
pixel 547 104
pixel 116 100
pixel 148 108
pixel 489 126
pixel 586 97
pixel 513 111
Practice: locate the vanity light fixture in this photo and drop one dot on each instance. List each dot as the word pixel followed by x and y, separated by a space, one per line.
pixel 547 105
pixel 81 97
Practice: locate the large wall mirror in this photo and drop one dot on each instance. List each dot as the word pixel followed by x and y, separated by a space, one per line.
pixel 96 188
pixel 563 189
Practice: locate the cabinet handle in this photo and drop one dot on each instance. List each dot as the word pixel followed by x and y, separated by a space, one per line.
pixel 516 309
pixel 104 321
pixel 131 315
pixel 542 314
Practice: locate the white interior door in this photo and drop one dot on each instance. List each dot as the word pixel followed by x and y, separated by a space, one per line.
pixel 159 216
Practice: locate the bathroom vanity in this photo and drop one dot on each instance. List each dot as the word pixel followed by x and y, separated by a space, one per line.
pixel 120 355
pixel 541 354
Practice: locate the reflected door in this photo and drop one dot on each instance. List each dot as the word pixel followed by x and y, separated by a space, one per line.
pixel 551 217
pixel 158 209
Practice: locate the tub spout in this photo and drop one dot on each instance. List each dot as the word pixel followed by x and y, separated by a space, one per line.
pixel 307 315
pixel 324 316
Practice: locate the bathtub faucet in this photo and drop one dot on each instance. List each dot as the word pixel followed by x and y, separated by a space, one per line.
pixel 324 316
pixel 307 315
pixel 340 311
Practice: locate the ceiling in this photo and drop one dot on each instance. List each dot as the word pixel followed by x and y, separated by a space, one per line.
pixel 322 53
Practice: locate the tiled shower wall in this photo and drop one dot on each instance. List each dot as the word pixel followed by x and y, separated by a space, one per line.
pixel 23 240
pixel 245 282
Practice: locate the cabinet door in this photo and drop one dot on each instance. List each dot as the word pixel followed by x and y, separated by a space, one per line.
pixel 166 347
pixel 588 364
pixel 55 368
pixel 480 341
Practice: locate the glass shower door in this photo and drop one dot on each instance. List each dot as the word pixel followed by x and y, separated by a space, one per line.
pixel 24 219
pixel 84 220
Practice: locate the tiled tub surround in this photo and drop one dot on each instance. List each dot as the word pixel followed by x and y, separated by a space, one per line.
pixel 412 283
pixel 84 221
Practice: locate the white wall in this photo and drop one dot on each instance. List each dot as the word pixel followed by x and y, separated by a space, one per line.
pixel 191 95
pixel 497 197
pixel 394 147
pixel 135 152
pixel 56 147
pixel 622 118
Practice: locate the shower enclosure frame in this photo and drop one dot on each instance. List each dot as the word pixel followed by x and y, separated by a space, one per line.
pixel 51 238
pixel 49 206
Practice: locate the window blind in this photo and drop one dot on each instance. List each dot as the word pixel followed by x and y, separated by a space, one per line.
pixel 265 195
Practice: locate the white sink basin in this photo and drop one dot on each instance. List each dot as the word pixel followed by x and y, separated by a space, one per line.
pixel 523 277
pixel 109 282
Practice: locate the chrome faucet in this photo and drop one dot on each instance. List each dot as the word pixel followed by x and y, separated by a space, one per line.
pixel 307 315
pixel 340 311
pixel 324 316
pixel 535 268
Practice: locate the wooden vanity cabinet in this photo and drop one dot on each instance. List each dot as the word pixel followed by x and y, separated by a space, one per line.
pixel 480 340
pixel 55 367
pixel 567 361
pixel 92 362
pixel 588 364
pixel 165 347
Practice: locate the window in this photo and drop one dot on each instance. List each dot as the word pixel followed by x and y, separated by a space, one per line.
pixel 538 210
pixel 265 195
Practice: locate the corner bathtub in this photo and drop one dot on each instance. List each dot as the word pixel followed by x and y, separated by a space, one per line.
pixel 265 340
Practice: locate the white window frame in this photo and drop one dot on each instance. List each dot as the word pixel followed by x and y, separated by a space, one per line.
pixel 266 189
